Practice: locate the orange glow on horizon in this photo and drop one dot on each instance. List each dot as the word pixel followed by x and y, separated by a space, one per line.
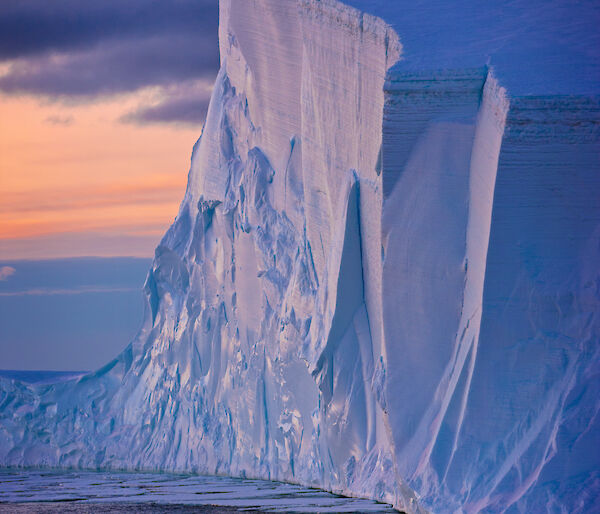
pixel 77 169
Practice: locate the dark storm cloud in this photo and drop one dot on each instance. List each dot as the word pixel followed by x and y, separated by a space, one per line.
pixel 189 110
pixel 30 27
pixel 115 67
pixel 74 50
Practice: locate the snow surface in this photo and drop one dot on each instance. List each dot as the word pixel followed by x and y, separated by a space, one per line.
pixel 383 280
pixel 537 47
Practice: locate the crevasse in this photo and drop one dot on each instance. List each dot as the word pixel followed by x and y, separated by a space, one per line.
pixel 367 288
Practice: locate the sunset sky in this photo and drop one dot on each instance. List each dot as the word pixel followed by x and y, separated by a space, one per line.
pixel 100 105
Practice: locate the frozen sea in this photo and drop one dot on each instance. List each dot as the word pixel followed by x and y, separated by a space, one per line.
pixel 89 491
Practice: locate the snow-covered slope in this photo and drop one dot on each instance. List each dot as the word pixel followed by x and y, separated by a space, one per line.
pixel 382 281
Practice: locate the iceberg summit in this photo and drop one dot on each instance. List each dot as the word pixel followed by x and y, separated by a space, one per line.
pixel 384 278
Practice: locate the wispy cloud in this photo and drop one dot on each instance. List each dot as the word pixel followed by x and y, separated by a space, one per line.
pixel 157 189
pixel 189 109
pixel 6 271
pixel 59 120
pixel 133 242
pixel 125 206
pixel 153 219
pixel 111 68
pixel 80 290
pixel 186 102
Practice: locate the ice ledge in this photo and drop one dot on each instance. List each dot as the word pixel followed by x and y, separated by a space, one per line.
pixel 356 23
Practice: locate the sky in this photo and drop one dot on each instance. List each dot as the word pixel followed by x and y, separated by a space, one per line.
pixel 100 105
pixel 69 314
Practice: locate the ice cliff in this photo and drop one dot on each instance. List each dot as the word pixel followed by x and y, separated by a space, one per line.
pixel 383 281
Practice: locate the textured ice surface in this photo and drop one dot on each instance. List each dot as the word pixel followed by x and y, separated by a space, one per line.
pixel 382 281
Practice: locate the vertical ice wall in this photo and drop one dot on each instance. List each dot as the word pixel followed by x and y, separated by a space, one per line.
pixel 492 372
pixel 264 319
pixel 531 420
pixel 442 136
pixel 303 102
pixel 492 369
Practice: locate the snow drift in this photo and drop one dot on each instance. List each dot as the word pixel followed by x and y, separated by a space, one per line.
pixel 383 282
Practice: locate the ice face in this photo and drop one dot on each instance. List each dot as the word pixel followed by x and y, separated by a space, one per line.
pixel 381 282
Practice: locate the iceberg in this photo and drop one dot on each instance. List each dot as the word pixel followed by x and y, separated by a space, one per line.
pixel 383 279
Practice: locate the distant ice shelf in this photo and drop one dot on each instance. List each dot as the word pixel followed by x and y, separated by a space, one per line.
pixel 383 280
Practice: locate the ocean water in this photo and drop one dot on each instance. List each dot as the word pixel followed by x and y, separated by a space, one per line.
pixel 91 491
